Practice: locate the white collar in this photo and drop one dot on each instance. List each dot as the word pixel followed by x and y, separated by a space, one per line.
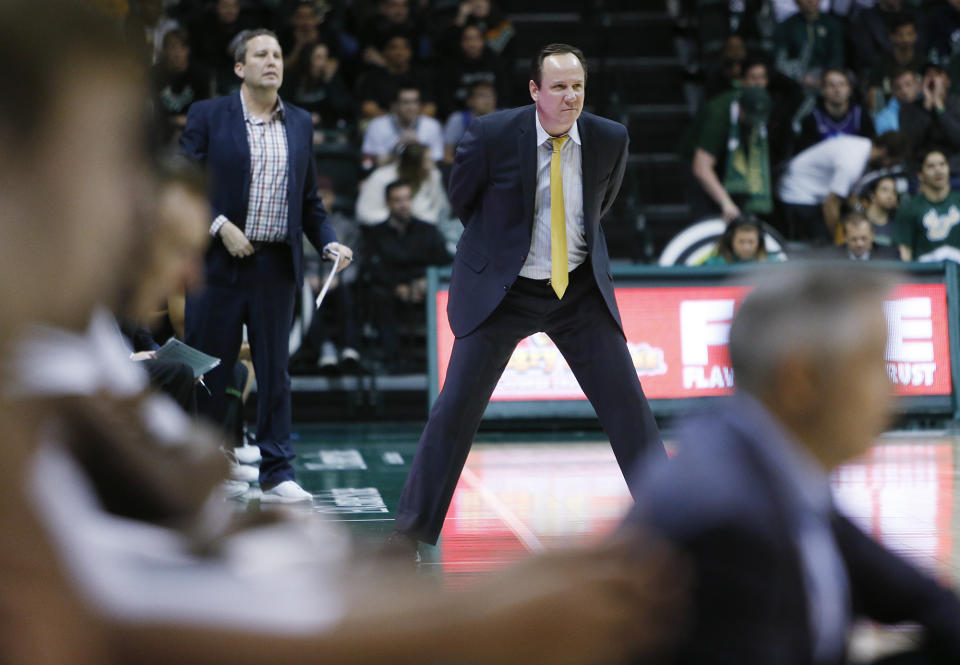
pixel 54 361
pixel 543 137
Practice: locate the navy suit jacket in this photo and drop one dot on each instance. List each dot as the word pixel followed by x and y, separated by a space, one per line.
pixel 493 186
pixel 216 136
pixel 720 502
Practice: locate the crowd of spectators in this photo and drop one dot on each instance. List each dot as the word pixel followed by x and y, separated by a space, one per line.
pixel 818 116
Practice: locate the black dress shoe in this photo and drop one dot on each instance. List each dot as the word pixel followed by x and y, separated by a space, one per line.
pixel 400 546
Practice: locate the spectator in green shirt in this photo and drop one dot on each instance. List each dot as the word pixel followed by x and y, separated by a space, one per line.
pixel 731 153
pixel 808 43
pixel 928 225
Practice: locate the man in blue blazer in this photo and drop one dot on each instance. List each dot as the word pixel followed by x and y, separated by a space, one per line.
pixel 263 191
pixel 780 573
pixel 530 186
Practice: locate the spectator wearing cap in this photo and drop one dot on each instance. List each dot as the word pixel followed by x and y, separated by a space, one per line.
pixel 834 114
pixel 377 88
pixel 388 134
pixel 731 153
pixel 933 120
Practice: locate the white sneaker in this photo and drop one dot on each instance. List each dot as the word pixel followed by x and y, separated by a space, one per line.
pixel 286 492
pixel 234 488
pixel 247 454
pixel 328 355
pixel 243 472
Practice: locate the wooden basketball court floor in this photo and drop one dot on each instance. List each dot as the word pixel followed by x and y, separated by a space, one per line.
pixel 523 493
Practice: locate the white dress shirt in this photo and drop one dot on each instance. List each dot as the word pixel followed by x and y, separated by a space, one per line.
pixel 537 265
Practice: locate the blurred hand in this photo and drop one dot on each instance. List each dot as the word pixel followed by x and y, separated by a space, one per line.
pixel 402 291
pixel 140 356
pixel 234 240
pixel 730 211
pixel 622 599
pixel 418 290
pixel 346 254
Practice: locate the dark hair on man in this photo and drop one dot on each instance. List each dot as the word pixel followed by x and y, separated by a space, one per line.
pixel 901 19
pixel 896 145
pixel 178 34
pixel 404 86
pixel 926 152
pixel 478 85
pixel 43 43
pixel 835 70
pixel 853 218
pixel 240 53
pixel 175 168
pixel 396 184
pixel 754 60
pixel 899 70
pixel 395 34
pixel 536 66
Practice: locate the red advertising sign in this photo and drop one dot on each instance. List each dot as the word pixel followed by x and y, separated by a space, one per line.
pixel 677 337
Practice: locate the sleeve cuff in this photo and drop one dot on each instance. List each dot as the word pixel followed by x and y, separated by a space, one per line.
pixel 217 223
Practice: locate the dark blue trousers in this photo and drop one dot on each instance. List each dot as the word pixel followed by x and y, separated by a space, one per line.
pixel 260 291
pixel 593 345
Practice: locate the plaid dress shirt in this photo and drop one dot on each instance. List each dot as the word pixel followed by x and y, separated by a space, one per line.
pixel 267 208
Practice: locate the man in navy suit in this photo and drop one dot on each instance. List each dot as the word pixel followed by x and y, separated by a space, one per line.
pixel 530 186
pixel 780 572
pixel 258 152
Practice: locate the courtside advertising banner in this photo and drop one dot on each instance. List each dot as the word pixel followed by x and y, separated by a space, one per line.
pixel 677 338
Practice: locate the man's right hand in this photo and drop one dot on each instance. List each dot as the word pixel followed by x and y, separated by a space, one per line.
pixel 234 240
pixel 730 211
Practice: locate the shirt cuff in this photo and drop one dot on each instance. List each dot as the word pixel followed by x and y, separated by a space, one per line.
pixel 217 223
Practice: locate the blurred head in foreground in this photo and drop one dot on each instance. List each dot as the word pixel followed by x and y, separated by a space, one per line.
pixel 809 342
pixel 73 172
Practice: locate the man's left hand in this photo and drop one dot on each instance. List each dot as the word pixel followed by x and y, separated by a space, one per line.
pixel 346 254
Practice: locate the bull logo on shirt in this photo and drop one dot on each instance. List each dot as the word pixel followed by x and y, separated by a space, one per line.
pixel 938 226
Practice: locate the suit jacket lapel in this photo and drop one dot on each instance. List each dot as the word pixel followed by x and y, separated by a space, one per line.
pixel 588 163
pixel 528 164
pixel 239 125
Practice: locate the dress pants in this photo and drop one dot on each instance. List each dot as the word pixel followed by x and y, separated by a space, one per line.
pixel 260 291
pixel 594 347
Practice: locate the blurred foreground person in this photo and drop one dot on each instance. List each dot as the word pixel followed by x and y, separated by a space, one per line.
pixel 780 573
pixel 103 559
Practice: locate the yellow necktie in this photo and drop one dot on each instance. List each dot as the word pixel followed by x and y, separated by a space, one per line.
pixel 559 274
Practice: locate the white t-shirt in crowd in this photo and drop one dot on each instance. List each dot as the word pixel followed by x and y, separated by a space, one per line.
pixel 830 166
pixel 383 133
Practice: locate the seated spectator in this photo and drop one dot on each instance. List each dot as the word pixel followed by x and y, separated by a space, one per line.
pixel 904 89
pixel 378 87
pixel 731 153
pixel 858 241
pixel 723 73
pixel 314 84
pixel 416 169
pixel 834 114
pixel 808 43
pixel 397 253
pixel 928 225
pixel 304 29
pixel 942 31
pixel 903 54
pixel 481 100
pixel 820 179
pixel 498 30
pixel 335 324
pixel 871 37
pixel 392 18
pixel 146 25
pixel 880 207
pixel 933 120
pixel 474 63
pixel 406 124
pixel 743 241
pixel 177 83
pixel 212 34
pixel 720 25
